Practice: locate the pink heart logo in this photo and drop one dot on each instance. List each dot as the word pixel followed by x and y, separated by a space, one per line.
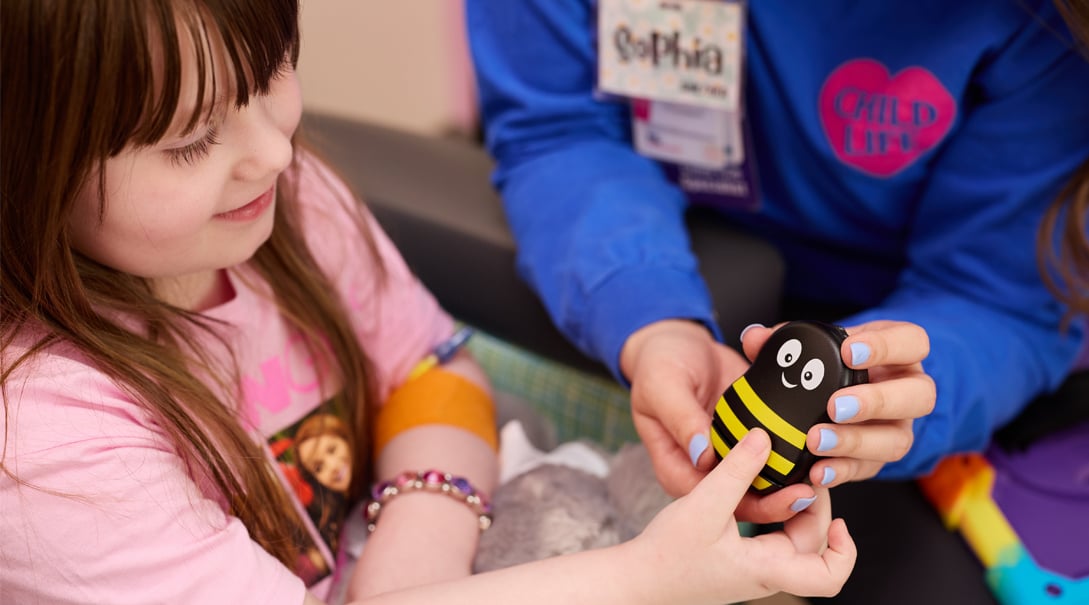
pixel 881 124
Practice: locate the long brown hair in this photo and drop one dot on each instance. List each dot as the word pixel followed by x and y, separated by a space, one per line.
pixel 1063 240
pixel 83 80
pixel 1063 243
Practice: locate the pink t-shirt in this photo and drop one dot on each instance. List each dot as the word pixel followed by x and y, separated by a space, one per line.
pixel 109 513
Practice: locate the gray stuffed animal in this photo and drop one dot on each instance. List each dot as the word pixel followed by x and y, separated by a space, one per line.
pixel 556 509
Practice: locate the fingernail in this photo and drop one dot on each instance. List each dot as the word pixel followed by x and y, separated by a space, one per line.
pixel 802 503
pixel 828 440
pixel 749 327
pixel 846 408
pixel 860 353
pixel 829 476
pixel 696 447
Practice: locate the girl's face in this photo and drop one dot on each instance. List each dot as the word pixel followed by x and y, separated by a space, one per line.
pixel 329 460
pixel 192 204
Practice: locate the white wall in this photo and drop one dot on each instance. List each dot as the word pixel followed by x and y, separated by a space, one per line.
pixel 401 63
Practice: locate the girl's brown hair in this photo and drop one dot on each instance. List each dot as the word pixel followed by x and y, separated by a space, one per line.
pixel 1063 242
pixel 83 80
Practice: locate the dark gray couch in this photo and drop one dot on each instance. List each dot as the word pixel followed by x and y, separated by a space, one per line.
pixel 434 198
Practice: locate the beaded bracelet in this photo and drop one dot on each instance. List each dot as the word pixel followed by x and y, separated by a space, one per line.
pixel 433 481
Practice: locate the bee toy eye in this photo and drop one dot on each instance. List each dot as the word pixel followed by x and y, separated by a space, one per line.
pixel 785 392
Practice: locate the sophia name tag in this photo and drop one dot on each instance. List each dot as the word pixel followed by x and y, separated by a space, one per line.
pixel 680 51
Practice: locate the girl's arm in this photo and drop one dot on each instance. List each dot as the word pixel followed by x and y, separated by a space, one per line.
pixel 691 553
pixel 423 537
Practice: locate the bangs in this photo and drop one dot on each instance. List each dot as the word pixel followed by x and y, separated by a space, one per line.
pixel 167 43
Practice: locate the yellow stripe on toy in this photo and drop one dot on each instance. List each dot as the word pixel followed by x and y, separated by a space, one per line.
pixel 719 445
pixel 776 460
pixel 730 419
pixel 760 410
pixel 779 463
pixel 436 397
pixel 723 449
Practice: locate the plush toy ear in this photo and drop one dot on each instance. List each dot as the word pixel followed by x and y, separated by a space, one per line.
pixel 633 490
pixel 548 511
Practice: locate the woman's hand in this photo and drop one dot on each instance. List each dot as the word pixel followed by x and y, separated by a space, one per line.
pixel 872 422
pixel 677 372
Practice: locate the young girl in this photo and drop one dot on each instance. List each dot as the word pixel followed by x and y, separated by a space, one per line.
pixel 184 290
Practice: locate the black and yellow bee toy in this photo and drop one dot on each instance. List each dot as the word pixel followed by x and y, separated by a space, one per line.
pixel 785 392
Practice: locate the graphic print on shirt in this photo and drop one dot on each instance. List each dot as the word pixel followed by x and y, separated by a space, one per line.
pixel 880 123
pixel 315 456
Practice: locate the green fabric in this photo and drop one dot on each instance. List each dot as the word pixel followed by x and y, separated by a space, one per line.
pixel 581 406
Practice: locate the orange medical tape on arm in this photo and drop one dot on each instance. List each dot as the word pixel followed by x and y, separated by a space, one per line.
pixel 436 397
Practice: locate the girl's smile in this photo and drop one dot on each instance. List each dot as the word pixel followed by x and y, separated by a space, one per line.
pixel 251 210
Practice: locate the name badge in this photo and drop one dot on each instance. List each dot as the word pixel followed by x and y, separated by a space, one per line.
pixel 687 134
pixel 706 152
pixel 679 64
pixel 681 51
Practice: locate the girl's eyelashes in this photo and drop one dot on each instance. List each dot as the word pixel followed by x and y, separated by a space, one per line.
pixel 194 152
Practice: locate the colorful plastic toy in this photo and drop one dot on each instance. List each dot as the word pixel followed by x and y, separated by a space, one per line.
pixel 1025 515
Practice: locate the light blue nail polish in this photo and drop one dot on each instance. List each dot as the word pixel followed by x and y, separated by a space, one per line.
pixel 829 476
pixel 802 503
pixel 828 440
pixel 860 353
pixel 696 447
pixel 846 408
pixel 747 328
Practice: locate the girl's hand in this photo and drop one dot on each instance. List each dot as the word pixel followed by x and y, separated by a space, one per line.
pixel 690 553
pixel 872 422
pixel 677 372
pixel 694 553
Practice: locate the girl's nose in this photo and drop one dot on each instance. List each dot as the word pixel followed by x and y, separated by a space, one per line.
pixel 267 148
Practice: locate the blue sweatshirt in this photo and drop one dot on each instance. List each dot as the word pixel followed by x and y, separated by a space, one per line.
pixel 939 230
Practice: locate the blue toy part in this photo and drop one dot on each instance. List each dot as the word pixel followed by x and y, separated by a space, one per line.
pixel 1020 581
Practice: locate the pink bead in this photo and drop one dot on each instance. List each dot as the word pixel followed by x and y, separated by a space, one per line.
pixel 433 477
pixel 405 478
